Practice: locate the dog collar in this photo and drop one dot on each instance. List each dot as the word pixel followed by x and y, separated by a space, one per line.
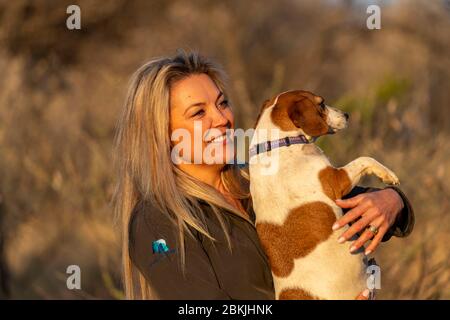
pixel 283 142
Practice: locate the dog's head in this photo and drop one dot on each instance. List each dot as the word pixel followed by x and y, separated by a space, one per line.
pixel 303 111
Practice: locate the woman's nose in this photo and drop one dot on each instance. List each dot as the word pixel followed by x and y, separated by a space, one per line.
pixel 218 119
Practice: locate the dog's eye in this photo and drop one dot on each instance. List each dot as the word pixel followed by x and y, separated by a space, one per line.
pixel 322 106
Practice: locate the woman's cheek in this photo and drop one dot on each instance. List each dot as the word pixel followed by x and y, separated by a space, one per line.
pixel 184 146
pixel 203 152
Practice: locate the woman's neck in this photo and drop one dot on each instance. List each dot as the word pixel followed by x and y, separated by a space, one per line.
pixel 211 175
pixel 208 174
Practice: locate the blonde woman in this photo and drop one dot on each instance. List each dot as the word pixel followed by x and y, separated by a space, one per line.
pixel 188 229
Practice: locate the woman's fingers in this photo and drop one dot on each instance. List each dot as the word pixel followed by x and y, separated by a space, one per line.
pixel 367 234
pixel 377 239
pixel 350 216
pixel 350 202
pixel 378 209
pixel 358 225
pixel 363 295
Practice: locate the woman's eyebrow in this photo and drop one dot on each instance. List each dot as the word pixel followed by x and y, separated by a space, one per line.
pixel 202 103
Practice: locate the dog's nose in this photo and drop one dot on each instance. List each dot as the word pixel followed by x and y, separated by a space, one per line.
pixel 346 115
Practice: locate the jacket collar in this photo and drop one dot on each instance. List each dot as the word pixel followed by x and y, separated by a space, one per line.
pixel 247 206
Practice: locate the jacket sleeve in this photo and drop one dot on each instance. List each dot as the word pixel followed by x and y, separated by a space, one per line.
pixel 162 268
pixel 405 221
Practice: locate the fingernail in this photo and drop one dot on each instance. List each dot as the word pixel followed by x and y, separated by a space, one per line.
pixel 367 252
pixel 366 293
pixel 352 248
pixel 341 239
pixel 335 226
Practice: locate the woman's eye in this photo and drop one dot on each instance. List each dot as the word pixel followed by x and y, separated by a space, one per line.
pixel 199 112
pixel 224 103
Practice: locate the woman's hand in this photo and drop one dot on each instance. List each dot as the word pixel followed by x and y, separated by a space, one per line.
pixel 363 295
pixel 377 209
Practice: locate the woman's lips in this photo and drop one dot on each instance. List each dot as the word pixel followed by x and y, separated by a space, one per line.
pixel 220 139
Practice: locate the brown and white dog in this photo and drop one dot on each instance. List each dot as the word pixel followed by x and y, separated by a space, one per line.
pixel 294 205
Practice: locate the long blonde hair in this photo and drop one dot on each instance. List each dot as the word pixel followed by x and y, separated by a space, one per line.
pixel 142 148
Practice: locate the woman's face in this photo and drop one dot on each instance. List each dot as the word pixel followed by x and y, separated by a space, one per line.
pixel 199 108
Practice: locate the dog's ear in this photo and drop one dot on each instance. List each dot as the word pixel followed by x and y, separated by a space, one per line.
pixel 305 115
pixel 295 113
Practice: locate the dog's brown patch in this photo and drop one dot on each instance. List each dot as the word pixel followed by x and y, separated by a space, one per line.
pixel 304 228
pixel 300 109
pixel 295 294
pixel 318 99
pixel 335 182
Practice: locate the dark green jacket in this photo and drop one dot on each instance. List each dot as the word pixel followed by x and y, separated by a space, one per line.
pixel 213 272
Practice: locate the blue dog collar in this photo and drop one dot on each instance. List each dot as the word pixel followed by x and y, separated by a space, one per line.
pixel 283 142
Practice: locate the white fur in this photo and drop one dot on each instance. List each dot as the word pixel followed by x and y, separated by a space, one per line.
pixel 330 271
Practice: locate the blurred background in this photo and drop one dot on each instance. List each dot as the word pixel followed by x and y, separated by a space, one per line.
pixel 61 91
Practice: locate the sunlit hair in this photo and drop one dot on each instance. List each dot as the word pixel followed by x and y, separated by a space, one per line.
pixel 145 171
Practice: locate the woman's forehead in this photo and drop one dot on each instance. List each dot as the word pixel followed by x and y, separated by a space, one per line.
pixel 194 89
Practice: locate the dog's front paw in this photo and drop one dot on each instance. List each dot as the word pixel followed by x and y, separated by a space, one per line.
pixel 390 177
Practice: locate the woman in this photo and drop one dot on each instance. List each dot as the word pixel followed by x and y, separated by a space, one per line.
pixel 188 228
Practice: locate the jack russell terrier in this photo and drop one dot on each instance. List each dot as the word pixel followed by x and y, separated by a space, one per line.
pixel 295 207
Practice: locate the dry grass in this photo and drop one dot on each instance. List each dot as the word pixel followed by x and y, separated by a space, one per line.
pixel 60 93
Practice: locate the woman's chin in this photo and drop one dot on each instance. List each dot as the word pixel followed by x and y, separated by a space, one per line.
pixel 225 156
pixel 218 162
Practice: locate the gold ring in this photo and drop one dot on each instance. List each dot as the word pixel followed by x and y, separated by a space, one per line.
pixel 373 229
